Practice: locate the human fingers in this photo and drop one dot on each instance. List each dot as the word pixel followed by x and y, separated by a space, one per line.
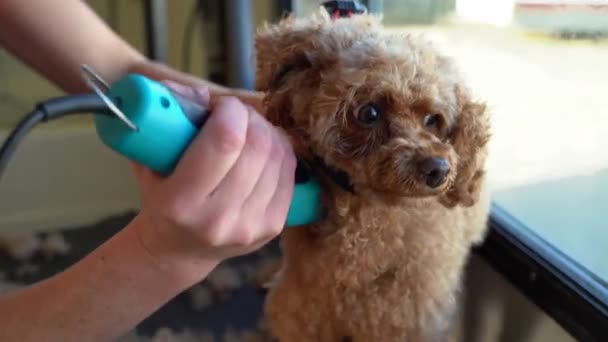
pixel 198 95
pixel 255 204
pixel 240 181
pixel 279 205
pixel 215 149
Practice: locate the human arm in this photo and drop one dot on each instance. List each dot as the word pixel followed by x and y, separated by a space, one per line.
pixel 213 207
pixel 54 37
pixel 99 298
pixel 229 195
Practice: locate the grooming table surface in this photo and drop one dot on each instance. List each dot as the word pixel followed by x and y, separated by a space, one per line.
pixel 238 312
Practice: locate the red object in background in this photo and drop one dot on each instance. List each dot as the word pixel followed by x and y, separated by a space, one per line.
pixel 561 6
pixel 343 8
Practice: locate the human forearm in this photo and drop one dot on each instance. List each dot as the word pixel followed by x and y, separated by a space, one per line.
pixel 228 196
pixel 101 297
pixel 54 37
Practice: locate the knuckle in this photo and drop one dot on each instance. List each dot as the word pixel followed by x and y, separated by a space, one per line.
pixel 291 161
pixel 276 221
pixel 259 140
pixel 278 152
pixel 245 238
pixel 178 214
pixel 285 140
pixel 276 229
pixel 202 94
pixel 216 228
pixel 213 237
pixel 221 221
pixel 229 140
pixel 286 152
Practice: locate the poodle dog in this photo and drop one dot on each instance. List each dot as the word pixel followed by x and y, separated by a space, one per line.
pixel 387 125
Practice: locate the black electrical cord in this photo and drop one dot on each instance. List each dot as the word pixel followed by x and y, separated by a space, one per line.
pixel 45 111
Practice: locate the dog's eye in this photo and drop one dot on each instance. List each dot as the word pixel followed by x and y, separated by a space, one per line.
pixel 368 114
pixel 432 120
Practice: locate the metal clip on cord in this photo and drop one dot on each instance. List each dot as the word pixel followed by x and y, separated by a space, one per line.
pixel 59 107
pixel 91 78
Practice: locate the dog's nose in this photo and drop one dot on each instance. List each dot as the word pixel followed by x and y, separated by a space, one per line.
pixel 434 170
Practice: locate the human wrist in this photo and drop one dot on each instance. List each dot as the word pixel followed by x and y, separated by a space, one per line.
pixel 107 293
pixel 173 254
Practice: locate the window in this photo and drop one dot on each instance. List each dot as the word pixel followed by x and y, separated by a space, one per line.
pixel 542 66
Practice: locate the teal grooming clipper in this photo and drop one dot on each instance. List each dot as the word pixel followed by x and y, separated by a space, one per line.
pixel 154 126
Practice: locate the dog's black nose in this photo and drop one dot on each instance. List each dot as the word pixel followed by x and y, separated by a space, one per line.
pixel 434 170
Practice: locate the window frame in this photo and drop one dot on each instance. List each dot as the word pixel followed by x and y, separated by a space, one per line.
pixel 565 290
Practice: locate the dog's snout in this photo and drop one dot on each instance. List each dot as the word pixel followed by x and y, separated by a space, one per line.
pixel 434 170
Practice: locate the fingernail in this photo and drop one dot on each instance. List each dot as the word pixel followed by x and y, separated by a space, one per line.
pixel 179 89
pixel 202 94
pixel 233 113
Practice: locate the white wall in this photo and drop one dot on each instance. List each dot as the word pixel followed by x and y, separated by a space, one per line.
pixel 493 12
pixel 61 176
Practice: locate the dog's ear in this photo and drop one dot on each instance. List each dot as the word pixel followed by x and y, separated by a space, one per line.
pixel 469 137
pixel 288 58
pixel 282 49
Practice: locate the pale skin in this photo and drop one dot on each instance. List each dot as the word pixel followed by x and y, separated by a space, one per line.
pixel 228 196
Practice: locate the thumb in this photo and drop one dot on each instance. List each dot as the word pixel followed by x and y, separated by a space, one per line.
pixel 146 179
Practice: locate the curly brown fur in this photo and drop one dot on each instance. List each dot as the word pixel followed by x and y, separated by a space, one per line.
pixel 385 264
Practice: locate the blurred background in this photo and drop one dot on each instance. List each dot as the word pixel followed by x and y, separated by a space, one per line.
pixel 541 66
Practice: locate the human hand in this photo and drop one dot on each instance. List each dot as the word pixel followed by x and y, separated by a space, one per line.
pixel 229 194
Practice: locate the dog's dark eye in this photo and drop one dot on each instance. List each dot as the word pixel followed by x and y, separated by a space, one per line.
pixel 368 114
pixel 432 120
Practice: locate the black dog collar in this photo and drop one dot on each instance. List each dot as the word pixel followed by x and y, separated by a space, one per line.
pixel 339 177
